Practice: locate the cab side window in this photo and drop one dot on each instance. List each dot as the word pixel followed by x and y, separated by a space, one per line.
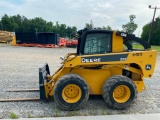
pixel 97 43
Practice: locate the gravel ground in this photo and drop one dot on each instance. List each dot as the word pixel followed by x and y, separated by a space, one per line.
pixel 19 70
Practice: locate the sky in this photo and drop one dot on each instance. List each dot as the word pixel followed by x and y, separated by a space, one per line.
pixel 114 13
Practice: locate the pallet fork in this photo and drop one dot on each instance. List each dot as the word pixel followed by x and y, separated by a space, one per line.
pixel 43 72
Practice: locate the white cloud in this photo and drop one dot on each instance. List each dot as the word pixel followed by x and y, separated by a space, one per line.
pixel 104 5
pixel 76 13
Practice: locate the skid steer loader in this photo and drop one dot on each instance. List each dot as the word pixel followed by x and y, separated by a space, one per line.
pixel 101 66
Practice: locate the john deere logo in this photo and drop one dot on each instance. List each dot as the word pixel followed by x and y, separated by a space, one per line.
pixel 148 67
pixel 88 60
pixel 123 34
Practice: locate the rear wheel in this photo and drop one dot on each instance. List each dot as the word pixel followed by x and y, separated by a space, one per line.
pixel 71 92
pixel 119 91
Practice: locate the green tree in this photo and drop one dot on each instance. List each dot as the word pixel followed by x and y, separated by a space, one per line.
pixel 89 25
pixel 130 27
pixel 107 28
pixel 155 37
pixel 6 22
pixel 145 32
pixel 18 23
pixel 39 24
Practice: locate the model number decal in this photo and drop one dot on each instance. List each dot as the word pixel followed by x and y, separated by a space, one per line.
pixel 137 54
pixel 123 59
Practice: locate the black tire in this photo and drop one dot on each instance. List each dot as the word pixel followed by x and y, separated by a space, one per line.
pixel 108 92
pixel 61 86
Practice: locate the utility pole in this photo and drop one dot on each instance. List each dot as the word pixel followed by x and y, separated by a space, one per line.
pixel 155 8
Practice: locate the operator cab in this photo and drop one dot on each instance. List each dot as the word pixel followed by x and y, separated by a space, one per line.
pixel 97 41
pixel 94 42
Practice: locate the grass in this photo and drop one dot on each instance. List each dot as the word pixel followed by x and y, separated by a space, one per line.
pixel 57 113
pixel 29 115
pixel 136 46
pixel 156 48
pixel 13 115
pixel 72 113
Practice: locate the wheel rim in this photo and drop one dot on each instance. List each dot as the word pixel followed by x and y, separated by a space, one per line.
pixel 71 93
pixel 121 94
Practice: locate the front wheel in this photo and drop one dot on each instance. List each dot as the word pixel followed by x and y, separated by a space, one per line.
pixel 71 92
pixel 119 91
